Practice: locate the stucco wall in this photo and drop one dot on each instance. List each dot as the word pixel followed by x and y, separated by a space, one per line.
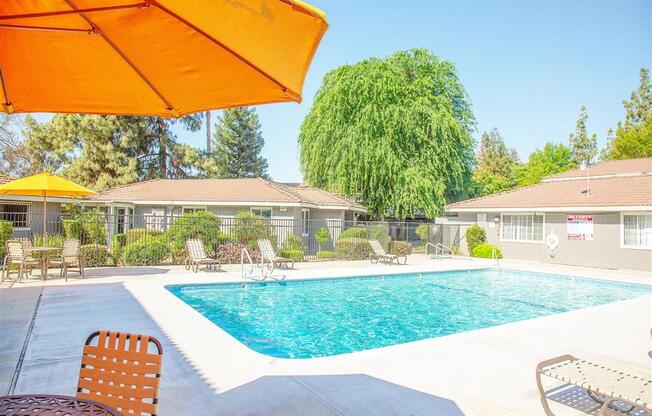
pixel 603 251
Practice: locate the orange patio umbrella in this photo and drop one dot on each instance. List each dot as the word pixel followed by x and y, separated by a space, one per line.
pixel 145 57
pixel 45 185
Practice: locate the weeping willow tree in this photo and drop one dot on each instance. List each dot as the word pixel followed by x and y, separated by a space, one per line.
pixel 394 133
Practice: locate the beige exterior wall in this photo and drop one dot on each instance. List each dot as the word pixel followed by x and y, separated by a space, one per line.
pixel 603 251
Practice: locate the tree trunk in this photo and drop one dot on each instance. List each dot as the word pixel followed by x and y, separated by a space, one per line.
pixel 163 149
pixel 208 131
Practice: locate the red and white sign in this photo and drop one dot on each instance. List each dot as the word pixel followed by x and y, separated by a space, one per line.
pixel 579 227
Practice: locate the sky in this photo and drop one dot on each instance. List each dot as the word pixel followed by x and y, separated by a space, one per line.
pixel 527 66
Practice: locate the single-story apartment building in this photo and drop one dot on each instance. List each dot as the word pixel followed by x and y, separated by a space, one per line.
pixel 21 209
pixel 597 217
pixel 293 209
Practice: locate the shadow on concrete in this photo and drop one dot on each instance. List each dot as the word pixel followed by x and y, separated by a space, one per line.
pixel 577 398
pixel 351 394
pixel 68 314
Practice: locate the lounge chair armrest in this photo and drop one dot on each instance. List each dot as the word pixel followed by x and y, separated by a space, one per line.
pixel 555 360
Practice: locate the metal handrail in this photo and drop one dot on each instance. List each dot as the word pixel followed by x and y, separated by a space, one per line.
pixel 244 253
pixel 439 249
pixel 494 256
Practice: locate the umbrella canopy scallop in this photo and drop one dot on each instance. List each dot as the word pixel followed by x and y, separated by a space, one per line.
pixel 145 57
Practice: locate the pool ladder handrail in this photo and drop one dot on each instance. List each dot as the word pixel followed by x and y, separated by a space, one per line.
pixel 245 253
pixel 439 249
pixel 494 256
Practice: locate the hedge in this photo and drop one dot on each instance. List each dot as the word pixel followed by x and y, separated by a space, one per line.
pixel 204 226
pixel 248 228
pixel 6 231
pixel 485 250
pixel 94 255
pixel 146 253
pixel 229 253
pixel 352 248
pixel 294 255
pixel 353 232
pixel 137 234
pixel 117 244
pixel 400 248
pixel 324 255
pixel 475 235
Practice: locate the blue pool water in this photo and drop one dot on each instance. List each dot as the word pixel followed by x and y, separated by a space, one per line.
pixel 316 318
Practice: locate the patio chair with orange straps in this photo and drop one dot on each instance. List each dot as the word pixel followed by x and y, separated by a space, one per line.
pixel 121 370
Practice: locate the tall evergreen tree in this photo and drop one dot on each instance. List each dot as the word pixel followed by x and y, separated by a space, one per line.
pixel 495 170
pixel 583 147
pixel 639 107
pixel 238 144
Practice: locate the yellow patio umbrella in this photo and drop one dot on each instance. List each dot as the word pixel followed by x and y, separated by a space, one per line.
pixel 45 185
pixel 159 58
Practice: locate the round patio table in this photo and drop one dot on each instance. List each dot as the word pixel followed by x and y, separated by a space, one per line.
pixel 43 253
pixel 50 405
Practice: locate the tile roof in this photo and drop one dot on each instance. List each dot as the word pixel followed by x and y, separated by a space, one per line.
pixel 613 191
pixel 246 190
pixel 611 167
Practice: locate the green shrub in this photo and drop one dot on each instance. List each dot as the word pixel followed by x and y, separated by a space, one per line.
pixel 352 248
pixel 118 242
pixel 146 253
pixel 400 248
pixel 248 227
pixel 49 240
pixel 475 235
pixel 485 250
pixel 322 236
pixel 94 255
pixel 140 234
pixel 456 250
pixel 72 228
pixel 204 226
pixel 354 232
pixel 293 242
pixel 423 231
pixel 93 227
pixel 325 255
pixel 292 254
pixel 6 232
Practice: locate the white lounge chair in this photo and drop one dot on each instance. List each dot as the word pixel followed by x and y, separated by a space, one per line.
pixel 267 252
pixel 379 254
pixel 197 256
pixel 603 384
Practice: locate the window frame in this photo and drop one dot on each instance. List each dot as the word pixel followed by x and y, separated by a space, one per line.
pixel 193 208
pixel 28 215
pixel 305 222
pixel 531 214
pixel 260 209
pixel 622 230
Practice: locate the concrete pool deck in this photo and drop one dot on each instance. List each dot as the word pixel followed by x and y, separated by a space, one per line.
pixel 482 372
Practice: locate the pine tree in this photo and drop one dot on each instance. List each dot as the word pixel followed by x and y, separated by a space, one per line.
pixel 639 107
pixel 238 143
pixel 583 147
pixel 495 170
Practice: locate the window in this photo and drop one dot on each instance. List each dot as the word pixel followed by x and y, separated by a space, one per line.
pixel 305 221
pixel 190 210
pixel 18 214
pixel 124 219
pixel 522 227
pixel 637 231
pixel 262 212
pixel 155 219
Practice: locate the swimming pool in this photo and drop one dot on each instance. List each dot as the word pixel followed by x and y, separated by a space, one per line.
pixel 316 318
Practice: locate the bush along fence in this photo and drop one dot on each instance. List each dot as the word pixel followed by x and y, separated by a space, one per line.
pixel 149 240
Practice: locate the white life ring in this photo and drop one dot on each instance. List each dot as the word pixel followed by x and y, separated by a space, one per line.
pixel 552 241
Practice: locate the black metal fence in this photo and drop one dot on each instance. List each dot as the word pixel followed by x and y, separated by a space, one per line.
pixel 150 239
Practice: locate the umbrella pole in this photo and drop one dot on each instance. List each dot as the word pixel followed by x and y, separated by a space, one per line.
pixel 45 217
